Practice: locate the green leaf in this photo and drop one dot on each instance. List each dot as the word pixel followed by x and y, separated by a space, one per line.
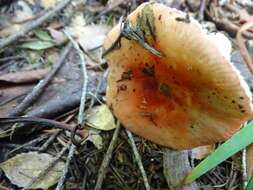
pixel 236 143
pixel 250 184
pixel 43 35
pixel 37 45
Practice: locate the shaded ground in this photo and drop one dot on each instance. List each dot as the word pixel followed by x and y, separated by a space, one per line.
pixel 39 51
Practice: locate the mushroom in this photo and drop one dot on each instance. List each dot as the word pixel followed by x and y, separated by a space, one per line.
pixel 170 83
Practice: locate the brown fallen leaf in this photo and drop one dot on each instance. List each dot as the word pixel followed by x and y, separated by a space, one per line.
pixel 23 14
pixel 46 4
pixel 202 151
pixel 11 95
pixel 58 36
pixel 21 169
pixel 23 76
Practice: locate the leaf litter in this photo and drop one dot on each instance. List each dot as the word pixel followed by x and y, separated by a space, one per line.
pixel 62 96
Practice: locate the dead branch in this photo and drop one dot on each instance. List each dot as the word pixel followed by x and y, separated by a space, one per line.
pixel 103 168
pixel 61 181
pixel 138 159
pixel 38 89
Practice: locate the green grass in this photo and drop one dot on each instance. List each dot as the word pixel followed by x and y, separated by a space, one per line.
pixel 237 142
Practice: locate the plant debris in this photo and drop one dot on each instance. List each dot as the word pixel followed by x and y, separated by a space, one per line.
pixel 36 149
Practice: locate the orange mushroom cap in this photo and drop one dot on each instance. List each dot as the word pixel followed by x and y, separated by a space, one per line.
pixel 189 96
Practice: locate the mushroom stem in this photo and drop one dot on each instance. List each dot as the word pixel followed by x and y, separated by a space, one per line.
pixel 175 167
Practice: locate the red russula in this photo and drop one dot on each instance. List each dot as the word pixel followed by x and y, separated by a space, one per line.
pixel 184 95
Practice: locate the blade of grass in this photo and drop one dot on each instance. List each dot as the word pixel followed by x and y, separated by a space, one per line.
pixel 250 184
pixel 236 143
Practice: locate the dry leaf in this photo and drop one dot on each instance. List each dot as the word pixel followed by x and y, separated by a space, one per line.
pixel 58 36
pixel 23 13
pixel 46 4
pixel 100 117
pixel 96 139
pixel 202 151
pixel 90 36
pixel 10 30
pixel 22 168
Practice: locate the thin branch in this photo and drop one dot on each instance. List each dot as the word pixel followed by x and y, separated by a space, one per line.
pixel 39 88
pixel 60 184
pixel 37 121
pixel 81 117
pixel 34 24
pixel 49 141
pixel 30 143
pixel 138 159
pixel 241 43
pixel 103 168
pixel 202 10
pixel 61 181
pixel 244 168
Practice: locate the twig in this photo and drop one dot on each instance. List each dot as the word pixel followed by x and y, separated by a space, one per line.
pixel 34 24
pixel 85 80
pixel 60 184
pixel 138 159
pixel 241 43
pixel 61 181
pixel 49 141
pixel 38 89
pixel 247 153
pixel 94 96
pixel 202 10
pixel 103 168
pixel 119 178
pixel 244 168
pixel 107 9
pixel 30 143
pixel 47 169
pixel 37 121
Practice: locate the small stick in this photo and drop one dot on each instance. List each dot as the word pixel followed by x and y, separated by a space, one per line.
pixel 241 43
pixel 246 159
pixel 49 141
pixel 37 121
pixel 138 159
pixel 244 168
pixel 34 24
pixel 61 181
pixel 60 184
pixel 39 88
pixel 107 9
pixel 103 168
pixel 47 169
pixel 85 80
pixel 30 143
pixel 202 10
